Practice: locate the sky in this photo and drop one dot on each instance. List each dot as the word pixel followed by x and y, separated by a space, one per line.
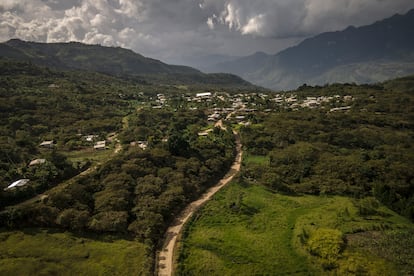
pixel 177 31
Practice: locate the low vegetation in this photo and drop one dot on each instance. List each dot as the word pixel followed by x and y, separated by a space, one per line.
pixel 250 230
pixel 43 252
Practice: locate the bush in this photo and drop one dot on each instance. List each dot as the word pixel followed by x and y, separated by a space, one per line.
pixel 326 244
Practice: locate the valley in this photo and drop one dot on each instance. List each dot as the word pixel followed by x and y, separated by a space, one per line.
pixel 324 185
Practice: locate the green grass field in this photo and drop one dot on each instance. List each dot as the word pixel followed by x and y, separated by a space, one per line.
pixel 248 230
pixel 256 159
pixel 90 154
pixel 39 252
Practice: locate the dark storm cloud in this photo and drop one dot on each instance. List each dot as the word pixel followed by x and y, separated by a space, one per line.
pixel 174 29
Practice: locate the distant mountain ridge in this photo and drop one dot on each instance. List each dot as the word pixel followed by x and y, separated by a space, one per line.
pixel 115 61
pixel 335 57
pixel 75 55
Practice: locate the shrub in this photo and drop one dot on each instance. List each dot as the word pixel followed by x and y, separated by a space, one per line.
pixel 326 244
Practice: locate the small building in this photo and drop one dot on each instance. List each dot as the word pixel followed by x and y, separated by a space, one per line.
pixel 36 162
pixel 18 183
pixel 205 133
pixel 53 85
pixel 344 108
pixel 90 138
pixel 143 145
pixel 214 117
pixel 47 144
pixel 100 145
pixel 203 95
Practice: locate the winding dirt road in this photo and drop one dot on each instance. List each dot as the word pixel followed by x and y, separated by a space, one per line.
pixel 166 255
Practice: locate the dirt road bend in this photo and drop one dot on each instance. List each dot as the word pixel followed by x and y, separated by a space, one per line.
pixel 166 255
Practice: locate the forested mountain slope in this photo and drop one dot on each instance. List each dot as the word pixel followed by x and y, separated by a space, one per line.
pixel 113 61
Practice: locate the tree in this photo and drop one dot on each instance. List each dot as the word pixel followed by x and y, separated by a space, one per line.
pixel 178 145
pixel 110 221
pixel 73 219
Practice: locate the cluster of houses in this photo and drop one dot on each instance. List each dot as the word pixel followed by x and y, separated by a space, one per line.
pixel 243 102
pixel 50 144
pixel 25 181
pixel 291 101
pixel 161 101
pixel 47 144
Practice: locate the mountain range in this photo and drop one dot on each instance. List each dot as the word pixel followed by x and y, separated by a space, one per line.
pixel 367 54
pixel 113 61
pixel 372 53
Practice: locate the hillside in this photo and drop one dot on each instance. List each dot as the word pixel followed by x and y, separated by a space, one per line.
pixel 113 61
pixel 341 56
pixel 242 65
pixel 75 55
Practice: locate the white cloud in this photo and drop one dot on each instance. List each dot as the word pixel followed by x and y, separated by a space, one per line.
pixel 98 20
pixel 129 8
pixel 171 29
pixel 254 25
pixel 10 4
pixel 210 22
pixel 231 16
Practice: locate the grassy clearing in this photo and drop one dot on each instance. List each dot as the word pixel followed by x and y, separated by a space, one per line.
pixel 38 252
pixel 92 155
pixel 248 230
pixel 256 159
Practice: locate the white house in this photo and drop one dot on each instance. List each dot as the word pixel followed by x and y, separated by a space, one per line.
pixel 203 95
pixel 100 145
pixel 18 183
pixel 47 144
pixel 36 162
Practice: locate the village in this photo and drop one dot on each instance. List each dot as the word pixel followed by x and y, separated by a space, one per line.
pixel 220 105
pixel 234 108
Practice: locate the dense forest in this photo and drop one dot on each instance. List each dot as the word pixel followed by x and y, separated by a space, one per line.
pixel 138 192
pixel 39 104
